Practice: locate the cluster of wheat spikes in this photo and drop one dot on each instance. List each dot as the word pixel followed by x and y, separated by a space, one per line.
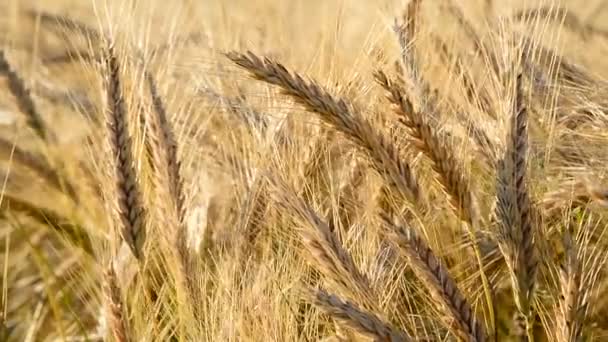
pixel 458 199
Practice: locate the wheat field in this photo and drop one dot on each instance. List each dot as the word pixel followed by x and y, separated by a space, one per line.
pixel 303 170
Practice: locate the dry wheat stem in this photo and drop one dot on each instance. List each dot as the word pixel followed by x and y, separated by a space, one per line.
pixel 127 189
pixel 361 321
pixel 342 116
pixel 438 280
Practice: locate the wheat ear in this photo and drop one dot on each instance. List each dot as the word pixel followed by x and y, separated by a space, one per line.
pixel 574 296
pixel 166 153
pixel 68 229
pixel 24 99
pixel 438 280
pixel 451 175
pixel 127 189
pixel 343 116
pixel 514 211
pixel 361 321
pixel 114 306
pixel 325 247
pixel 36 164
pixel 168 167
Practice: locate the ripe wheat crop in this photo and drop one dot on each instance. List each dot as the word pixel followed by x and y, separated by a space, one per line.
pixel 303 170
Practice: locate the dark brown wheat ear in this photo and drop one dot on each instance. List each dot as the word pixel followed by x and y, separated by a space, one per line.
pixel 361 321
pixel 430 142
pixel 164 149
pixel 127 190
pixel 514 211
pixel 342 116
pixel 438 280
